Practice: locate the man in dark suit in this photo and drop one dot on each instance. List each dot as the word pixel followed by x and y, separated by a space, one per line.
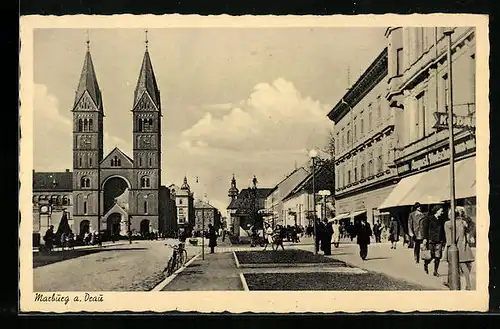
pixel 415 229
pixel 363 231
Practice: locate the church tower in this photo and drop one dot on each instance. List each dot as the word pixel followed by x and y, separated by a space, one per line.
pixel 146 112
pixel 88 117
pixel 232 193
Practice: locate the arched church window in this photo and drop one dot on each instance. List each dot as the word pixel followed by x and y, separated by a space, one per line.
pixel 119 162
pixel 90 162
pixel 145 207
pixel 145 182
pixel 91 123
pixel 140 124
pixel 140 161
pixel 80 161
pixel 80 125
pixel 85 182
pixel 53 200
pixel 85 207
pixel 150 162
pixel 85 125
pixel 65 201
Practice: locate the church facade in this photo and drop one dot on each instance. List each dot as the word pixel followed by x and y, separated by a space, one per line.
pixel 121 192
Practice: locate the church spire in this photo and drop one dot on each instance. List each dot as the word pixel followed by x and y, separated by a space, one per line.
pixel 147 80
pixel 88 80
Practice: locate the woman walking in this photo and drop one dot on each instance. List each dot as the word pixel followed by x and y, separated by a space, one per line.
pixel 336 233
pixel 393 232
pixel 465 256
pixel 268 236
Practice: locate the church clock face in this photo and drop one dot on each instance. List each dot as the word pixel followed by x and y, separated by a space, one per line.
pixel 85 141
pixel 146 141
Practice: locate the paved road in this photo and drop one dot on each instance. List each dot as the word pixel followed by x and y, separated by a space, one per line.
pixel 136 267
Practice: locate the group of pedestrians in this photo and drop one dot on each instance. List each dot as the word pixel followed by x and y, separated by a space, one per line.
pixel 431 234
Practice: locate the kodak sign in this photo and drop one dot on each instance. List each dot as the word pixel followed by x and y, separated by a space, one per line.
pixel 459 121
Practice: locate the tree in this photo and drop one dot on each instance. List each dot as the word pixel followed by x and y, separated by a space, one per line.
pixel 330 145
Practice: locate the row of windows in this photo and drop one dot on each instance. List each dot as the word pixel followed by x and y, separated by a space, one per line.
pixel 145 125
pixel 85 182
pixel 360 168
pixel 145 207
pixel 56 200
pixel 85 125
pixel 150 162
pixel 347 137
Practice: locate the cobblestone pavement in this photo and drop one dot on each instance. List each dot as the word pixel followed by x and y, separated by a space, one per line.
pixel 136 267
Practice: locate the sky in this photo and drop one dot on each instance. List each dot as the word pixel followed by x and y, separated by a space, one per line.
pixel 242 101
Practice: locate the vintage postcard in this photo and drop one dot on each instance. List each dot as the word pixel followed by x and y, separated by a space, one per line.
pixel 254 163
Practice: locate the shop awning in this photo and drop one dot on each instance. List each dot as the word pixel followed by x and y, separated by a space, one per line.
pixel 340 216
pixel 356 213
pixel 433 186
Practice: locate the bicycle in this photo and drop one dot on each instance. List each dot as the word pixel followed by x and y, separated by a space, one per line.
pixel 177 260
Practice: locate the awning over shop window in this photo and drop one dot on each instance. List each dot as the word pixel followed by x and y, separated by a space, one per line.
pixel 340 216
pixel 433 186
pixel 356 213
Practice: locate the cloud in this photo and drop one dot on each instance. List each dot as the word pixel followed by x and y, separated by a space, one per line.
pixel 53 144
pixel 274 117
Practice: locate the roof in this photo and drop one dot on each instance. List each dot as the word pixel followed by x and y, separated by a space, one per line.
pixel 199 204
pixel 147 83
pixel 239 202
pixel 52 181
pixel 367 81
pixel 88 83
pixel 324 180
pixel 116 151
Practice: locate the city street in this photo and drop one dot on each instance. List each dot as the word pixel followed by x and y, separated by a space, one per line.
pixel 297 268
pixel 123 267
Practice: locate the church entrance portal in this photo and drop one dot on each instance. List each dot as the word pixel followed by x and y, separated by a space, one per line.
pixel 145 226
pixel 84 227
pixel 114 224
pixel 113 188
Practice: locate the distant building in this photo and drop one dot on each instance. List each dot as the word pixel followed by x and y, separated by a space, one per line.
pixel 184 201
pixel 299 204
pixel 206 214
pixel 274 202
pixel 244 205
pixel 168 208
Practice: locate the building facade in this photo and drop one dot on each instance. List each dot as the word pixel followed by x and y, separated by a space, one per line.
pixel 184 203
pixel 206 214
pixel 419 89
pixel 365 136
pixel 299 202
pixel 119 191
pixel 274 201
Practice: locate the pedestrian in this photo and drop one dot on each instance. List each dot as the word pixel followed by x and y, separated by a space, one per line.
pixel 278 236
pixel 377 230
pixel 212 238
pixel 393 232
pixel 326 241
pixel 465 256
pixel 268 236
pixel 319 235
pixel 336 233
pixel 433 238
pixel 363 231
pixel 49 238
pixel 415 229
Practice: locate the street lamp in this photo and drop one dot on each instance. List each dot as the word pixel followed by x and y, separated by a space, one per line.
pixel 453 250
pixel 313 154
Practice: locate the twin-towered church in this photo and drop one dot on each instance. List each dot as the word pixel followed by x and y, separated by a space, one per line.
pixel 128 188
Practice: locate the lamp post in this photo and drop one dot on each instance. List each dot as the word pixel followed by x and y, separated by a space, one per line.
pixel 313 154
pixel 453 250
pixel 203 228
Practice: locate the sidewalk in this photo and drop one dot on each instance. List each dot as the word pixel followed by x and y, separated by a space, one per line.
pixel 217 272
pixel 397 263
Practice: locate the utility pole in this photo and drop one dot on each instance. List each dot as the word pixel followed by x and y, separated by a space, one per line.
pixel 202 230
pixel 313 155
pixel 453 250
